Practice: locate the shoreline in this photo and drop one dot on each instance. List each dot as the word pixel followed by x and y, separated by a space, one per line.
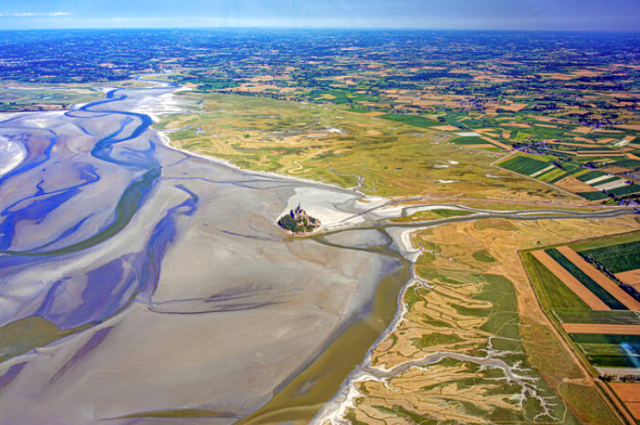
pixel 334 410
pixel 328 224
pixel 226 162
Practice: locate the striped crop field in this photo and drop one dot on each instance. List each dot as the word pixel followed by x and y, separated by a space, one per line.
pixel 524 165
pixel 583 278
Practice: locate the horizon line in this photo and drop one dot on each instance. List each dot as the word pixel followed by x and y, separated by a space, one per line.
pixel 352 28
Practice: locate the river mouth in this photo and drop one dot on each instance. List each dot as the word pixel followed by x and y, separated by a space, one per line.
pixel 301 398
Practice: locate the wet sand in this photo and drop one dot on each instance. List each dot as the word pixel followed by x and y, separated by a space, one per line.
pixel 190 299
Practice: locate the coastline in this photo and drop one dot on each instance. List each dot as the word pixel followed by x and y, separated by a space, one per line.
pixel 335 409
pixel 340 284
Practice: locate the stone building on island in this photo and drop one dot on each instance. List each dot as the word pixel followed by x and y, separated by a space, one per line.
pixel 298 222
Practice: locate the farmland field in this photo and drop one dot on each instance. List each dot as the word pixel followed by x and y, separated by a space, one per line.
pixel 556 293
pixel 589 283
pixel 474 140
pixel 610 350
pixel 619 317
pixel 617 258
pixel 416 121
pixel 626 190
pixel 554 174
pixel 593 196
pixel 590 176
pixel 524 165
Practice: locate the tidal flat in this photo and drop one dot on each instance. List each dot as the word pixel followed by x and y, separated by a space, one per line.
pixel 162 282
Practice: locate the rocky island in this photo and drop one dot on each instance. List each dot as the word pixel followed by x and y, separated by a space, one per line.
pixel 298 222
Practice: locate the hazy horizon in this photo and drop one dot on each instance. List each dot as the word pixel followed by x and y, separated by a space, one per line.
pixel 318 28
pixel 498 15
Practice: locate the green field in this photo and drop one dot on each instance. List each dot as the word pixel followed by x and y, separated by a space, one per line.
pixel 618 258
pixel 568 171
pixel 626 190
pixel 524 165
pixel 593 196
pixel 358 110
pixel 413 120
pixel 589 283
pixel 609 350
pixel 620 317
pixel 605 339
pixel 557 295
pixel 555 174
pixel 627 163
pixel 473 140
pixel 591 175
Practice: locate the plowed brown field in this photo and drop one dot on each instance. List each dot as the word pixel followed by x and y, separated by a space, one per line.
pixel 574 185
pixel 629 393
pixel 632 277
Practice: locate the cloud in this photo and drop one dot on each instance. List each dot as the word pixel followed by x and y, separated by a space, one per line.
pixel 37 14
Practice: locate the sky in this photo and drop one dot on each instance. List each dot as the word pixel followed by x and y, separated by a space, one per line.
pixel 572 15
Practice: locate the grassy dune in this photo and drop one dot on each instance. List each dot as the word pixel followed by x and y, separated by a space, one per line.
pixel 12 100
pixel 323 143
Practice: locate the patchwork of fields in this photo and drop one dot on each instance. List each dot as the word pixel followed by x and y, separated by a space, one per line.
pixel 590 184
pixel 557 154
pixel 599 312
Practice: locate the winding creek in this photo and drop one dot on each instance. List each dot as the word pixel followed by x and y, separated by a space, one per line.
pixel 173 292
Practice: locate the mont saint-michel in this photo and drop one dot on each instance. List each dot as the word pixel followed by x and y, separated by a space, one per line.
pixel 298 222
